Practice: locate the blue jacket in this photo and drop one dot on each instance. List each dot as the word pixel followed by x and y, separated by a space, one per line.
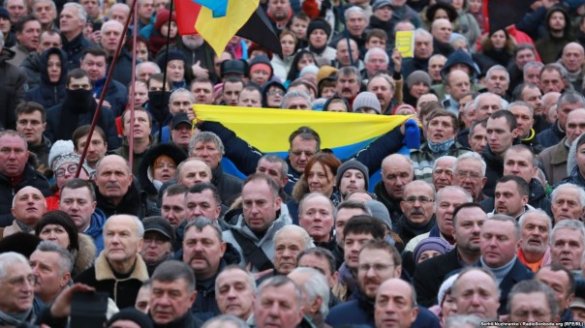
pixel 360 311
pixel 96 225
pixel 550 136
pixel 116 95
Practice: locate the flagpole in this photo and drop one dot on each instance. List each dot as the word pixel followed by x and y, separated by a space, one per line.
pixel 132 88
pixel 104 90
pixel 167 46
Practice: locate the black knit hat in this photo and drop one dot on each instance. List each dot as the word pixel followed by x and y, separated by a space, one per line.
pixel 133 315
pixel 64 220
pixel 21 242
pixel 319 24
pixel 356 165
pixel 173 54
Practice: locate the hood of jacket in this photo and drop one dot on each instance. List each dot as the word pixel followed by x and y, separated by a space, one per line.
pixel 460 57
pixel 235 220
pixel 145 175
pixel 44 64
pixel 96 223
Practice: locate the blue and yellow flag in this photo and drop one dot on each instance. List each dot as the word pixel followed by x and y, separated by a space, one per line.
pixel 268 129
pixel 217 21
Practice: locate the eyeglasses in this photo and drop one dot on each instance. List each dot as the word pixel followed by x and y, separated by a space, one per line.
pixel 421 199
pixel 72 168
pixel 467 174
pixel 378 267
pixel 275 92
pixel 301 152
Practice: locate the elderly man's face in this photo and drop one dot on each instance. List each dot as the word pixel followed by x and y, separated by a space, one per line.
pixel 534 233
pixel 394 305
pixel 286 249
pixel 348 86
pixel 316 218
pixel 170 300
pixel 113 177
pixel 477 293
pixel 395 176
pixel 234 294
pixel 567 248
pixel 418 204
pixel 443 173
pixel 278 307
pixel 29 205
pixel 498 82
pixel 17 288
pixel 51 277
pixel 203 251
pixel 449 200
pixel 566 205
pixel 530 307
pixel 121 240
pixel 208 152
pixel 559 282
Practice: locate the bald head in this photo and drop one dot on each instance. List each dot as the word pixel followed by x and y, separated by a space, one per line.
pixel 395 302
pixel 573 57
pixel 442 29
pixel 113 177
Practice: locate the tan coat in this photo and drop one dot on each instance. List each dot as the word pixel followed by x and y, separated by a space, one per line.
pixel 554 162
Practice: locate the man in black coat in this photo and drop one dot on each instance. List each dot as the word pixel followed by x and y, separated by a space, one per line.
pixel 15 173
pixel 429 275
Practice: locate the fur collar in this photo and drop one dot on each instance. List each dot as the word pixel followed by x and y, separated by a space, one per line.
pixel 103 271
pixel 85 254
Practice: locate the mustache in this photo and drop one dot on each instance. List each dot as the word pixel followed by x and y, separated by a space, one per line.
pixel 417 211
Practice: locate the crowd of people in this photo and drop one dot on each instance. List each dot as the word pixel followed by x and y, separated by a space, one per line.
pixel 478 224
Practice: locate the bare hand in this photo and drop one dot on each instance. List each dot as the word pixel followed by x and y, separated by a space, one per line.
pixel 199 71
pixel 397 60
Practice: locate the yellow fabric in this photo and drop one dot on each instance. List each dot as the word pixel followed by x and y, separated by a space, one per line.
pixel 269 129
pixel 218 31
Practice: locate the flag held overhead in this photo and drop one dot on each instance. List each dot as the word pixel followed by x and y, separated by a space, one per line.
pixel 217 21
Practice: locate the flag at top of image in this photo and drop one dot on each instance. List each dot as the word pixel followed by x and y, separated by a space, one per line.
pixel 217 21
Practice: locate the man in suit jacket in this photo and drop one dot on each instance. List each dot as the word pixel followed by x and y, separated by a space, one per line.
pixel 498 242
pixel 429 275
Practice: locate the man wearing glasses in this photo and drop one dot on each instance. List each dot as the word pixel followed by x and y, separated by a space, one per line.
pixel 469 174
pixel 378 261
pixel 17 282
pixel 418 208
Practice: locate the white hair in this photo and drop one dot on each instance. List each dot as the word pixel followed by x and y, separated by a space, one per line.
pixel 315 286
pixel 137 223
pixel 112 22
pixel 10 258
pixel 80 10
pixel 377 51
pixel 471 156
pixel 568 186
pixel 541 214
pixel 295 229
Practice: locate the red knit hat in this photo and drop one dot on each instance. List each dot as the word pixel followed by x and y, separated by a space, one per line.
pixel 162 17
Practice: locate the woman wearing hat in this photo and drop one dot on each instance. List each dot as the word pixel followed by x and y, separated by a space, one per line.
pixel 497 48
pixel 318 34
pixel 64 167
pixel 57 226
pixel 158 166
pixel 418 83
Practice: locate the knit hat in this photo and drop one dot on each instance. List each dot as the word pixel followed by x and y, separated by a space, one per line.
pixel 60 147
pixel 381 3
pixel 320 24
pixel 325 72
pixel 261 60
pixel 21 242
pixel 172 55
pixel 162 17
pixel 431 244
pixel 380 212
pixel 62 219
pixel 418 77
pixel 445 286
pixel 4 14
pixel 366 99
pixel 133 315
pixel 63 159
pixel 309 69
pixel 356 165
